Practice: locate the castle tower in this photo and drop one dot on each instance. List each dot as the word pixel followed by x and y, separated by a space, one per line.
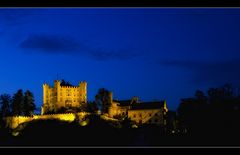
pixel 63 95
pixel 56 93
pixel 83 91
pixel 45 92
pixel 57 83
pixel 47 99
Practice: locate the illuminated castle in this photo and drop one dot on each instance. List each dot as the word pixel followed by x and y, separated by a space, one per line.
pixel 63 95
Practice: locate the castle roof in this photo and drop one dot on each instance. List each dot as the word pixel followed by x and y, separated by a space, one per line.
pixel 140 105
pixel 123 102
pixel 66 84
pixel 147 105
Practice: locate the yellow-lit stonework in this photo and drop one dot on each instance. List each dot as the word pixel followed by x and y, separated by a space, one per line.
pixel 59 96
pixel 141 113
pixel 14 121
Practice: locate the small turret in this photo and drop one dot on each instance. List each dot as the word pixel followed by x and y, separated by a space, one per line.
pixel 165 106
pixel 57 83
pixel 135 100
pixel 83 84
pixel 110 96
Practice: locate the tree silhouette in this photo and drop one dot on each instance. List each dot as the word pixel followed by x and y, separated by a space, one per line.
pixel 28 105
pixel 200 97
pixel 193 112
pixel 103 99
pixel 17 103
pixel 213 115
pixel 91 107
pixel 5 101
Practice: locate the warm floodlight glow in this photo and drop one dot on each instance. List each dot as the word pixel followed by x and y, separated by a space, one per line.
pixel 84 123
pixel 15 133
pixel 134 126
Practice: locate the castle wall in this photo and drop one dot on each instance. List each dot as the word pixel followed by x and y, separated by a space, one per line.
pixel 149 116
pixel 13 121
pixel 115 110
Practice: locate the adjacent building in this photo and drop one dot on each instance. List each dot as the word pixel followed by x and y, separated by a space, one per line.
pixel 139 112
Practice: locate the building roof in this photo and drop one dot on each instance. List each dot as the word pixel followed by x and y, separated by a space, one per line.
pixel 64 83
pixel 123 102
pixel 147 105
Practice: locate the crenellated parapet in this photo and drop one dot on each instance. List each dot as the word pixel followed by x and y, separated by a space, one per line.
pixel 75 87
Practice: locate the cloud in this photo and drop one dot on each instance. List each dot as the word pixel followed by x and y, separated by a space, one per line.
pixel 59 44
pixel 219 72
pixel 50 44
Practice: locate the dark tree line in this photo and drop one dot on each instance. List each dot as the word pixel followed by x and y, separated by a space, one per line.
pixel 19 104
pixel 216 113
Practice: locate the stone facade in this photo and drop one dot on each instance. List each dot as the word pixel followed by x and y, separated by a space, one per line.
pixel 139 112
pixel 65 96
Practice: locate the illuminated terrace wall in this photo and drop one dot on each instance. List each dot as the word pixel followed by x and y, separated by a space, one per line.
pixel 14 121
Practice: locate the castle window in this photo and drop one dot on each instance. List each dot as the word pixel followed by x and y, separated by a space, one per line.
pixel 140 115
pixel 134 115
pixel 150 114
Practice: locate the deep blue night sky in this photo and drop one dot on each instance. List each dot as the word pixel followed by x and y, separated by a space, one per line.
pixel 155 54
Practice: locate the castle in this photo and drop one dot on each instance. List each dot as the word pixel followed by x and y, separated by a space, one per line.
pixel 63 95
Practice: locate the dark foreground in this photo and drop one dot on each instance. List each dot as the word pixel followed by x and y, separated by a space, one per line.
pixel 100 133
